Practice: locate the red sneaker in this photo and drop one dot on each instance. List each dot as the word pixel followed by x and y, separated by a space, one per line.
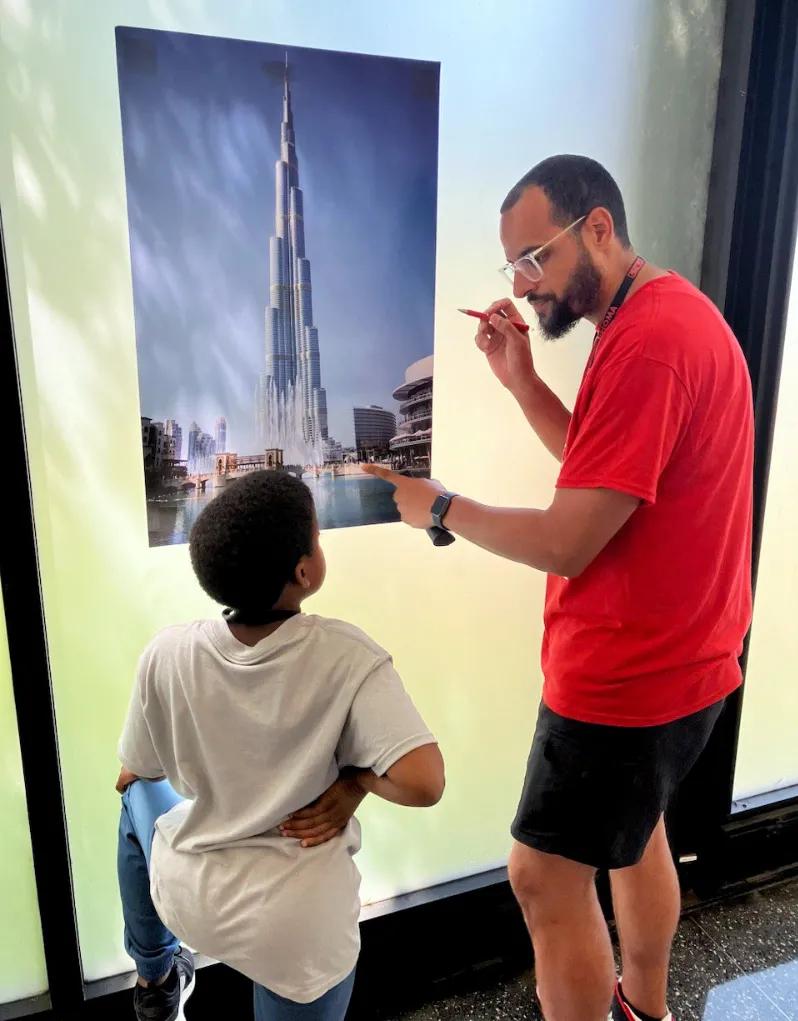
pixel 621 1011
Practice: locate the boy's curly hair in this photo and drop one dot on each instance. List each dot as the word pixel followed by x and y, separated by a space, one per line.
pixel 247 542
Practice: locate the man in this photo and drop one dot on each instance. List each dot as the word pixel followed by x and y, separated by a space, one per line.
pixel 647 547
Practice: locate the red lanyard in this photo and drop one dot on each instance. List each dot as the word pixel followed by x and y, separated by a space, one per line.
pixel 615 304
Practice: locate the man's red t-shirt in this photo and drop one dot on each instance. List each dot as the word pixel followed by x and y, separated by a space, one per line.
pixel 652 629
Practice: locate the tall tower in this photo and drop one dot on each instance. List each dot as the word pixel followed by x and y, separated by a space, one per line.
pixel 292 402
pixel 221 434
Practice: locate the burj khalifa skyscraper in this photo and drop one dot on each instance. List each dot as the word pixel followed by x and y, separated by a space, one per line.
pixel 292 404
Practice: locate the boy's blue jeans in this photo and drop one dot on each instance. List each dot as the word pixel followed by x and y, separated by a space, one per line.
pixel 151 945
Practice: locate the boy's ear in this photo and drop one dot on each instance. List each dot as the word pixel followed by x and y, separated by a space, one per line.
pixel 301 575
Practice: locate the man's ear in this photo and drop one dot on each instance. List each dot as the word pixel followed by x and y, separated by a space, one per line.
pixel 600 226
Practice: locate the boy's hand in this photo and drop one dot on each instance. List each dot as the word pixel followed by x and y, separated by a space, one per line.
pixel 125 779
pixel 325 817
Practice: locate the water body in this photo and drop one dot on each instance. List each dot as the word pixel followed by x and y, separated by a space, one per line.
pixel 341 502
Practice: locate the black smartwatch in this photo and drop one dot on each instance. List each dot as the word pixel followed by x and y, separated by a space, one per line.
pixel 439 534
pixel 439 509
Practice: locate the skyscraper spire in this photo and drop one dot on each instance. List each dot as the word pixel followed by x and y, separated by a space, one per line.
pixel 288 117
pixel 292 401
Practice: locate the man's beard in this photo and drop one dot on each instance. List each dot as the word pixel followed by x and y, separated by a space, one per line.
pixel 580 298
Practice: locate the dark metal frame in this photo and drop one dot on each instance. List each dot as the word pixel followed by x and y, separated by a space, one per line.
pixel 27 643
pixel 749 241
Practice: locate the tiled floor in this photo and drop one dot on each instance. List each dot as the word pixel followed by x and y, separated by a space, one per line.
pixel 736 961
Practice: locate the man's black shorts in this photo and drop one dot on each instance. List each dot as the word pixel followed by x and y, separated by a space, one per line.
pixel 594 793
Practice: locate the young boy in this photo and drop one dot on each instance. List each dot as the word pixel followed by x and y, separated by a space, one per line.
pixel 249 718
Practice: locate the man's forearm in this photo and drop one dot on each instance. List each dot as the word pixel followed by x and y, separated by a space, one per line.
pixel 522 535
pixel 546 413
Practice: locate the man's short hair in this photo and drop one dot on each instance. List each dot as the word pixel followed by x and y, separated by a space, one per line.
pixel 247 542
pixel 574 185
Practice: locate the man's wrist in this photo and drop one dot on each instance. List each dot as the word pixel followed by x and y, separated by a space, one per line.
pixel 529 390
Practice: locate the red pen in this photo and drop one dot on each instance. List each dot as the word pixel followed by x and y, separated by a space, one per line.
pixel 521 327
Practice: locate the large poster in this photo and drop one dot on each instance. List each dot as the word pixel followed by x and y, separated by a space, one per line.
pixel 282 209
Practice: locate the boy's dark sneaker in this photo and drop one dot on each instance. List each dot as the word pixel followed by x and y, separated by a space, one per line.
pixel 166 1001
pixel 621 1011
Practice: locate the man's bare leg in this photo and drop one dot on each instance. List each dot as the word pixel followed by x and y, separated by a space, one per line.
pixel 647 905
pixel 573 953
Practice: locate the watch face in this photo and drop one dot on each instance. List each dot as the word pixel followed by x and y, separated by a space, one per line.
pixel 440 504
pixel 440 507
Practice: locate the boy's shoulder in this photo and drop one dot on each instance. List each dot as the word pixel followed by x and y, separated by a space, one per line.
pixel 345 634
pixel 170 639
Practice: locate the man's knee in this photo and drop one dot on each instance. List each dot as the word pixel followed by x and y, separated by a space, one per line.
pixel 526 872
pixel 540 878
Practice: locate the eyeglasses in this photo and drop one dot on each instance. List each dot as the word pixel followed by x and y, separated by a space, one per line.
pixel 530 265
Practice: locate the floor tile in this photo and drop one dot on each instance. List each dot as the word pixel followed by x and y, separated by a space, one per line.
pixel 708 985
pixel 759 930
pixel 512 1000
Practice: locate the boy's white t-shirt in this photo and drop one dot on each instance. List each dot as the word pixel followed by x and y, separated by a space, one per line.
pixel 249 735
